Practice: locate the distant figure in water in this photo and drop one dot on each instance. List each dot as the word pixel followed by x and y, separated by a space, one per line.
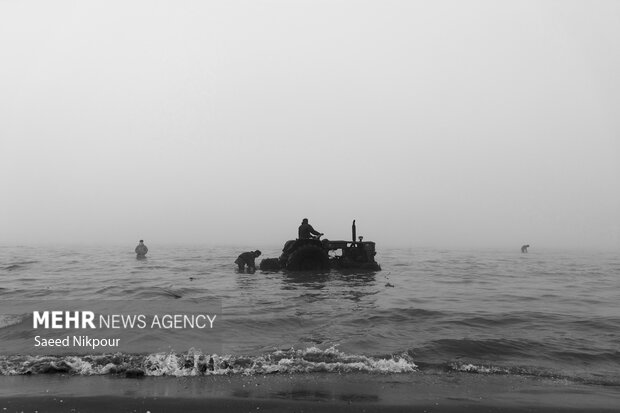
pixel 524 248
pixel 141 250
pixel 306 231
pixel 247 258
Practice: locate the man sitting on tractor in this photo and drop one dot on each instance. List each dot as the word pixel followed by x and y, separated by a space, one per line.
pixel 306 231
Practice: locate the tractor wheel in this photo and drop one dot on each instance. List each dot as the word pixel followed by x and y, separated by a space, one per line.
pixel 308 258
pixel 270 264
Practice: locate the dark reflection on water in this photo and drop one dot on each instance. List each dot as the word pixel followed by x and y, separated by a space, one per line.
pixel 316 395
pixel 319 395
pixel 309 279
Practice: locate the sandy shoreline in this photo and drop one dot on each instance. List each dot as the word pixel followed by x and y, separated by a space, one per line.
pixel 308 393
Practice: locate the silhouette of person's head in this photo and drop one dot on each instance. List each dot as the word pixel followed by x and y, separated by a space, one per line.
pixel 304 221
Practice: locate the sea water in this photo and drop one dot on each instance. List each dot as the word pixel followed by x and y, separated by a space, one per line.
pixel 547 313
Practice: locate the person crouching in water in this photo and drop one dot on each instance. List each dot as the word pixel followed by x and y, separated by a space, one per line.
pixel 247 258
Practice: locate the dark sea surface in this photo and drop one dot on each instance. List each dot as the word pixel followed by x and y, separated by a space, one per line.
pixel 551 314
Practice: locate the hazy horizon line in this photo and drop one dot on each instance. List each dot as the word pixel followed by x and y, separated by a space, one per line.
pixel 270 246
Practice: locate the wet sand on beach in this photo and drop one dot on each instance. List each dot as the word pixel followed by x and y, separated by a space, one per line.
pixel 308 393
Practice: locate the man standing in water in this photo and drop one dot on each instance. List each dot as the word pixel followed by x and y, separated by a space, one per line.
pixel 141 250
pixel 306 231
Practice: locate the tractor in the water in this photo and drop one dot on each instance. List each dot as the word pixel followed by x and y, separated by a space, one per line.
pixel 315 254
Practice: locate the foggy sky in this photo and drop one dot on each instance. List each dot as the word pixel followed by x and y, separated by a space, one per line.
pixel 432 123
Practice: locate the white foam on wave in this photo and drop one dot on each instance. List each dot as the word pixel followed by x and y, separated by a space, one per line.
pixel 195 363
pixel 472 368
pixel 7 320
pixel 291 361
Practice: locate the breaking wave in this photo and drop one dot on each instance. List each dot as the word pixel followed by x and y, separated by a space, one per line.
pixel 7 320
pixel 195 363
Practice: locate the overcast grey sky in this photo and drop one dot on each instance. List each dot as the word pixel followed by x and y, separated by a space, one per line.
pixel 433 123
